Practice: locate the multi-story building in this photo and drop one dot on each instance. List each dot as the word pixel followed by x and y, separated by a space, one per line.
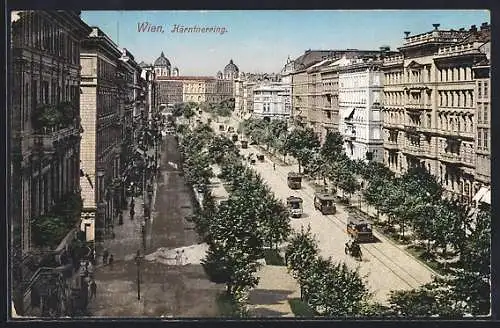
pixel 482 76
pixel 305 83
pixel 430 106
pixel 360 93
pixel 248 87
pixel 102 85
pixel 45 131
pixel 170 90
pixel 329 103
pixel 269 101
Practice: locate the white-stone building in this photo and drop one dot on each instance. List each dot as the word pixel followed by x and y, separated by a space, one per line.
pixel 360 92
pixel 270 101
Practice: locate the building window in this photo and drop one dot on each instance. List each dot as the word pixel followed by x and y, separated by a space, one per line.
pixel 485 94
pixel 485 111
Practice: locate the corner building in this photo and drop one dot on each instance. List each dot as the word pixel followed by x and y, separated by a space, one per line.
pixel 430 106
pixel 101 141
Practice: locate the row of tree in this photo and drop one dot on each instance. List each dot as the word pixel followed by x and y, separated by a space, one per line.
pixel 223 108
pixel 331 289
pixel 413 201
pixel 238 229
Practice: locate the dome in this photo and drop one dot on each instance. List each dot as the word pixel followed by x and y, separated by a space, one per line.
pixel 231 68
pixel 219 75
pixel 162 61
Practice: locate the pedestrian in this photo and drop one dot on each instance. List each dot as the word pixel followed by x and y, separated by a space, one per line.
pixel 177 258
pixel 120 218
pixel 132 213
pixel 93 289
pixel 274 166
pixel 105 257
pixel 132 203
pixel 183 258
pixel 111 261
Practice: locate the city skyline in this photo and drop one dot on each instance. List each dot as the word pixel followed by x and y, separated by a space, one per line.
pixel 253 34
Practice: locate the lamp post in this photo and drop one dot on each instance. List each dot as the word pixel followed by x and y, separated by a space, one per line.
pixel 138 261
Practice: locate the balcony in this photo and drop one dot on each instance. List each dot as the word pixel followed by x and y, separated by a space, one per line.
pixel 47 140
pixel 411 106
pixel 452 158
pixel 416 86
pixel 391 145
pixel 415 150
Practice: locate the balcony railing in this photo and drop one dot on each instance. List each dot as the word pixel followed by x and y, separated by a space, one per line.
pixel 391 145
pixel 453 158
pixel 48 139
pixel 416 150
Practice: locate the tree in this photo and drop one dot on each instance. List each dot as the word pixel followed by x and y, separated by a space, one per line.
pixel 300 252
pixel 333 146
pixel 472 281
pixel 188 113
pixel 300 143
pixel 335 290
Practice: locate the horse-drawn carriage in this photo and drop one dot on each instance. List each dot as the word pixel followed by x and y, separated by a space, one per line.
pixel 352 248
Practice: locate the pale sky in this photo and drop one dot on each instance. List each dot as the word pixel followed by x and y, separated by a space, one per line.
pixel 261 41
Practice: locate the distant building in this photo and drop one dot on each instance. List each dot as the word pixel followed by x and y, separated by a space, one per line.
pixel 360 95
pixel 269 101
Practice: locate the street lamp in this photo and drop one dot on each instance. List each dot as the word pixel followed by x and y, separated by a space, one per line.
pixel 138 261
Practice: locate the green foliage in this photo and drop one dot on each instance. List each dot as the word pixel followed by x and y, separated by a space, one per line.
pixel 301 250
pixel 301 309
pixel 332 148
pixel 49 231
pixel 273 257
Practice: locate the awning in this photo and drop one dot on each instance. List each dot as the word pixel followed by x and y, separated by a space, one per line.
pixel 482 194
pixel 350 113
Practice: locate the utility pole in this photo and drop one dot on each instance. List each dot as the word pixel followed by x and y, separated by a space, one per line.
pixel 138 260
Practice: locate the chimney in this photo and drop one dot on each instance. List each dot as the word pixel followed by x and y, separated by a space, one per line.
pixel 484 26
pixel 462 29
pixel 407 33
pixel 436 26
pixel 473 28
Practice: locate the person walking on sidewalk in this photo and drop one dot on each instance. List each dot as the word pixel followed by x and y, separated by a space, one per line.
pixel 111 259
pixel 93 289
pixel 274 166
pixel 132 213
pixel 105 257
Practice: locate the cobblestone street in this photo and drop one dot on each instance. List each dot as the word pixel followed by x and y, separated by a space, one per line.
pixel 166 290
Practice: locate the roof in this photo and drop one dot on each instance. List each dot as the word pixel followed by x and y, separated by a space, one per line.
pixel 162 61
pixel 311 57
pixel 357 220
pixel 231 67
pixel 185 78
pixel 324 196
pixel 290 198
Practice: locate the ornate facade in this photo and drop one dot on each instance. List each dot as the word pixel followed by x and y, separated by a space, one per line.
pixel 360 93
pixel 45 130
pixel 105 87
pixel 431 104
